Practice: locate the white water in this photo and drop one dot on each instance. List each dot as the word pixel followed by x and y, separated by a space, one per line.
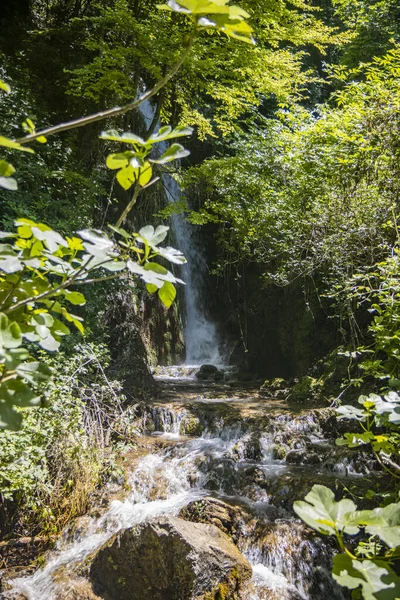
pixel 200 332
pixel 163 483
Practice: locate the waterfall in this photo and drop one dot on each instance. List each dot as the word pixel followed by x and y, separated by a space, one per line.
pixel 200 332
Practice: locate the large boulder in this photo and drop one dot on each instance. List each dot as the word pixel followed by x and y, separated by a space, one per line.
pixel 169 559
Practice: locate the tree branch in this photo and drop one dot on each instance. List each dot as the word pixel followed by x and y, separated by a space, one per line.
pixel 117 110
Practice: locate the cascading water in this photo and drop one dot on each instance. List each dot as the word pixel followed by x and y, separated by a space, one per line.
pixel 230 461
pixel 200 332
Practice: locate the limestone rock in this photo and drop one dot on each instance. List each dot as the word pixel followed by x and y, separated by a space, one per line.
pixel 216 512
pixel 169 559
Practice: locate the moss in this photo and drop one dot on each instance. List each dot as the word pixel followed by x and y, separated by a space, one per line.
pixel 191 426
pixel 308 388
pixel 278 451
pixel 275 384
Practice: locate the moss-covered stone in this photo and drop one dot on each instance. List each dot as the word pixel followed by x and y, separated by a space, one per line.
pixel 307 389
pixel 169 558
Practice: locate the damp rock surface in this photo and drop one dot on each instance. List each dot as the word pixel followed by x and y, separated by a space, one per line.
pixel 169 559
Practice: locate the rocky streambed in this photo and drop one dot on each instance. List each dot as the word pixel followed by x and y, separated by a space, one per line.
pixel 209 512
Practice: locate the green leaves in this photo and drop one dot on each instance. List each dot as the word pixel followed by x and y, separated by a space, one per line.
pixel 327 516
pixel 376 579
pixel 6 181
pixel 5 87
pixel 7 143
pixel 167 294
pixel 134 166
pixel 10 334
pixel 152 237
pixel 374 575
pixel 217 14
pixel 38 269
pixel 17 375
pixel 174 152
pixel 324 514
pixel 385 523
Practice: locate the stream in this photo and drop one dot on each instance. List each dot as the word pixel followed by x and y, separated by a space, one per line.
pixel 226 447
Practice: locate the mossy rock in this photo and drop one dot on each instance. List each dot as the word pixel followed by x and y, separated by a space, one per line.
pixel 275 384
pixel 191 425
pixel 279 451
pixel 169 558
pixel 307 389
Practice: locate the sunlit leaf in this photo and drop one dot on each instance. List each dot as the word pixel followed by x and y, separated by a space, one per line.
pixel 7 143
pixel 375 578
pixel 167 294
pixel 323 513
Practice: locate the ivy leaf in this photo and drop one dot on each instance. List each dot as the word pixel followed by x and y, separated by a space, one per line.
pixel 151 288
pixel 10 264
pixel 114 266
pixel 119 160
pixel 59 328
pixel 152 273
pixel 74 319
pixel 145 174
pixel 97 238
pixel 167 294
pixel 218 14
pixel 127 176
pixel 7 143
pixel 324 514
pixel 376 579
pixel 6 181
pixel 240 30
pixel 120 231
pixel 389 406
pixel 16 392
pixel 52 239
pixel 126 138
pixel 9 418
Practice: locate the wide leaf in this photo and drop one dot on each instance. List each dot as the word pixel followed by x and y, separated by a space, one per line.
pixel 323 513
pixel 376 579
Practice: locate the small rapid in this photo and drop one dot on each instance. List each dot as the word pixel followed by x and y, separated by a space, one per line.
pixel 233 460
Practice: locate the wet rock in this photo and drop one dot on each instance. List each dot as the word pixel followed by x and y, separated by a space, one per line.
pixel 169 558
pixel 301 559
pixel 191 425
pixel 279 451
pixel 295 457
pixel 247 447
pixel 209 372
pixel 216 512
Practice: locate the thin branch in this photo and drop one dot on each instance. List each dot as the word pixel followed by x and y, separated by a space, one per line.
pixel 96 279
pixel 130 204
pixel 117 110
pixel 51 292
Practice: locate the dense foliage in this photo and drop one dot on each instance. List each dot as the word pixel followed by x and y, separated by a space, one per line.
pixel 302 193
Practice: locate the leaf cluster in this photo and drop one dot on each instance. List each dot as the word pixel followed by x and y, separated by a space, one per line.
pixel 370 569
